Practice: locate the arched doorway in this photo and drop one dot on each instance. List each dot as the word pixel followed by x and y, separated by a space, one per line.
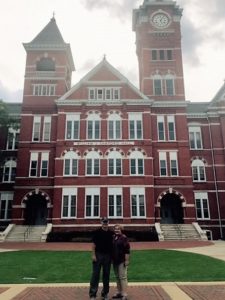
pixel 36 211
pixel 171 211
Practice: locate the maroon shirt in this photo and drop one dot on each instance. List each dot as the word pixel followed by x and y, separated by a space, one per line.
pixel 121 247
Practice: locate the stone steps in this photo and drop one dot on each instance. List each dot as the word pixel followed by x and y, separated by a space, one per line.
pixel 25 233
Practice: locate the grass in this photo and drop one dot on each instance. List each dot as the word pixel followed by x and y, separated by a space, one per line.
pixel 75 266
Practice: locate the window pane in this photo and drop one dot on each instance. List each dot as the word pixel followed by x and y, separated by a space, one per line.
pixel 69 130
pixel 158 87
pixel 131 125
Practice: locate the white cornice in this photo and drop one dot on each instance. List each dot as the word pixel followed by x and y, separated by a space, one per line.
pixel 78 102
pixel 179 103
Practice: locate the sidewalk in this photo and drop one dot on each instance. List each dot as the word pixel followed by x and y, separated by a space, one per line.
pixel 142 291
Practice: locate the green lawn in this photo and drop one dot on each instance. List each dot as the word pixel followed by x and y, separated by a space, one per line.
pixel 75 266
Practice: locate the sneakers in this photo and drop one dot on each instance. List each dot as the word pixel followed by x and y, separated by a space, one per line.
pixel 105 297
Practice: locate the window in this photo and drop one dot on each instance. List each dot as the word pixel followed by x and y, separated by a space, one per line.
pixel 115 202
pixel 13 138
pixel 171 128
pixel 195 138
pixel 33 164
pixel 36 129
pixel 44 89
pixel 93 163
pixel 135 126
pixel 154 54
pixel 202 207
pixel 44 164
pixel 108 93
pixel 137 202
pixel 6 205
pixel 164 169
pixel 161 54
pixel 136 163
pixel 198 170
pixel 162 164
pixel 169 54
pixel 114 163
pixel 169 86
pixel 99 94
pixel 161 128
pixel 9 171
pixel 92 202
pixel 114 127
pixel 45 64
pixel 72 126
pixel 173 164
pixel 47 129
pixel 71 164
pixel 93 127
pixel 157 82
pixel 69 203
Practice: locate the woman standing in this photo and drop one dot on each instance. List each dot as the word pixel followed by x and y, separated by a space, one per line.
pixel 120 256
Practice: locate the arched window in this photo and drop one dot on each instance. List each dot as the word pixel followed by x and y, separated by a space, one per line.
pixel 114 127
pixel 71 164
pixel 198 170
pixel 136 163
pixel 93 163
pixel 93 127
pixel 115 163
pixel 45 64
pixel 9 171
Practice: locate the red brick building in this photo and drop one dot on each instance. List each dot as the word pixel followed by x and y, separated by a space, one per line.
pixel 105 148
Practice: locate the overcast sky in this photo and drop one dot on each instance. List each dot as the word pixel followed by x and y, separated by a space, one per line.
pixel 95 28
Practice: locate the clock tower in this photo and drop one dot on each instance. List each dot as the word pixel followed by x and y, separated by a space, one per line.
pixel 158 47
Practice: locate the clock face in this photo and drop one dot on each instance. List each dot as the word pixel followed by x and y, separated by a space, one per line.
pixel 160 20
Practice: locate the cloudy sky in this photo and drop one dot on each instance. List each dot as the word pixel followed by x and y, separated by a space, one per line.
pixel 95 28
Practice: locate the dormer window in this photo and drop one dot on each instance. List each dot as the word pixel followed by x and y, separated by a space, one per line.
pixel 108 93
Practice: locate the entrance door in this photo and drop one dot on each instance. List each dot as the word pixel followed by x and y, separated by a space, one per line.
pixel 36 211
pixel 171 210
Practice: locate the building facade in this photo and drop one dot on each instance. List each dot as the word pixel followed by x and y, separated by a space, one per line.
pixel 105 148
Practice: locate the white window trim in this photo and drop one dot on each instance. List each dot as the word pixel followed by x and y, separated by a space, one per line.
pixel 69 192
pixel 118 191
pixel 138 192
pixel 92 192
pixel 202 196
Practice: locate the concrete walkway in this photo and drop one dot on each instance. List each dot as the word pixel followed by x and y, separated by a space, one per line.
pixel 142 291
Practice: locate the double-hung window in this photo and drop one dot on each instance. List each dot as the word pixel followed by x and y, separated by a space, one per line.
pixel 33 164
pixel 69 203
pixel 115 202
pixel 72 126
pixel 93 163
pixel 136 163
pixel 171 128
pixel 71 164
pixel 162 164
pixel 135 126
pixel 93 127
pixel 137 202
pixel 6 205
pixel 114 127
pixel 92 205
pixel 115 163
pixel 202 206
pixel 46 129
pixel 195 137
pixel 157 83
pixel 44 164
pixel 198 170
pixel 9 171
pixel 161 128
pixel 173 164
pixel 36 129
pixel 13 138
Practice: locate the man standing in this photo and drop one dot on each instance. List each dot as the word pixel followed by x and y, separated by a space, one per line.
pixel 101 258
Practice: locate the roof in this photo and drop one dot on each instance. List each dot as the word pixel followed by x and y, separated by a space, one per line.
pixel 49 35
pixel 197 107
pixel 116 76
